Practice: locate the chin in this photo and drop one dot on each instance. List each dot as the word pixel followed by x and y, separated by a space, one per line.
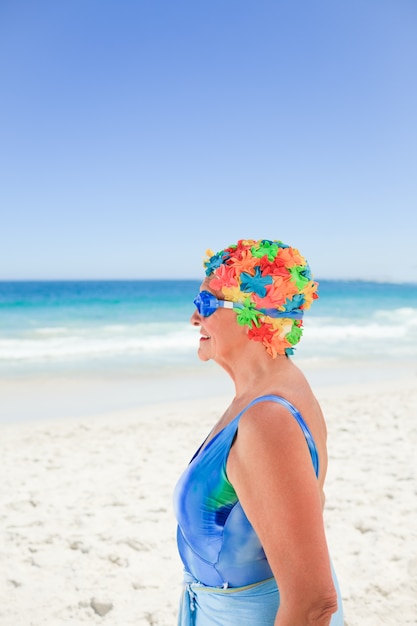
pixel 202 356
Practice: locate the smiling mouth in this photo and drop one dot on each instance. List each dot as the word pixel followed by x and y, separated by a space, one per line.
pixel 205 337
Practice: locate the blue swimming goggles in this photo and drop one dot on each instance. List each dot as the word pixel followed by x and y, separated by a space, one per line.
pixel 206 304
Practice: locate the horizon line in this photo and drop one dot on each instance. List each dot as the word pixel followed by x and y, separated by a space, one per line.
pixel 198 279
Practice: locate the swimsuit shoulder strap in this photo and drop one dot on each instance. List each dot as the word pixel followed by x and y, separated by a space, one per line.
pixel 306 431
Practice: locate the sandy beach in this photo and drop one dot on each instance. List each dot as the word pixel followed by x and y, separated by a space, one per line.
pixel 88 533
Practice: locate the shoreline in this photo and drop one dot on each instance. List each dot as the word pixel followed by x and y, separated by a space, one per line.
pixel 73 394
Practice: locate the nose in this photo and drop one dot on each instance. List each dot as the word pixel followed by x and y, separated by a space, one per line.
pixel 196 318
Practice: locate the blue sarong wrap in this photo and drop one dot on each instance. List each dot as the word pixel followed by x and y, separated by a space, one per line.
pixel 253 605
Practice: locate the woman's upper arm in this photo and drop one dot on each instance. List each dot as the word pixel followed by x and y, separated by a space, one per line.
pixel 271 470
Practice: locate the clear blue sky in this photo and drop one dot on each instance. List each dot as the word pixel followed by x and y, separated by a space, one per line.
pixel 135 134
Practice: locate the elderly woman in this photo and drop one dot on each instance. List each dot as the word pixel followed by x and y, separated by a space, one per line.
pixel 250 503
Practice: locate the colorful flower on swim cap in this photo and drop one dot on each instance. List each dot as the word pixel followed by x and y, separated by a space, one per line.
pixel 270 279
pixel 256 283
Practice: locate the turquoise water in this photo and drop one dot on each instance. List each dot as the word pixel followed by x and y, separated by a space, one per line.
pixel 143 326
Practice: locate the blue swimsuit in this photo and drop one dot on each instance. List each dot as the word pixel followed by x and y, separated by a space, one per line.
pixel 217 544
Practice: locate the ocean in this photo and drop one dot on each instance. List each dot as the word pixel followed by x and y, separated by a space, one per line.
pixel 143 327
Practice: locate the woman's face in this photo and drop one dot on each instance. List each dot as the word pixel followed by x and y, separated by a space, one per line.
pixel 220 333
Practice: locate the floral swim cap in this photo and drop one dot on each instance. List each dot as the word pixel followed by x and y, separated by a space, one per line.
pixel 266 277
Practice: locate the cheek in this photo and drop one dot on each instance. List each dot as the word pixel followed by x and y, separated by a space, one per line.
pixel 229 332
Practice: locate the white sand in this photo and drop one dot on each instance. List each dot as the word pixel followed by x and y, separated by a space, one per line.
pixel 87 525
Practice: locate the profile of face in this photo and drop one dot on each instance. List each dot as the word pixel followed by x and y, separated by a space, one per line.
pixel 220 335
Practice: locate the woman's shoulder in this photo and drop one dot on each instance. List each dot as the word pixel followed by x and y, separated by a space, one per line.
pixel 279 411
pixel 276 420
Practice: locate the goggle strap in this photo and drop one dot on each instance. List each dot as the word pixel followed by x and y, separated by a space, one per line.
pixel 295 315
pixel 227 305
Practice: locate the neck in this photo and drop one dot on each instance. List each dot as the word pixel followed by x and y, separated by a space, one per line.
pixel 255 371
